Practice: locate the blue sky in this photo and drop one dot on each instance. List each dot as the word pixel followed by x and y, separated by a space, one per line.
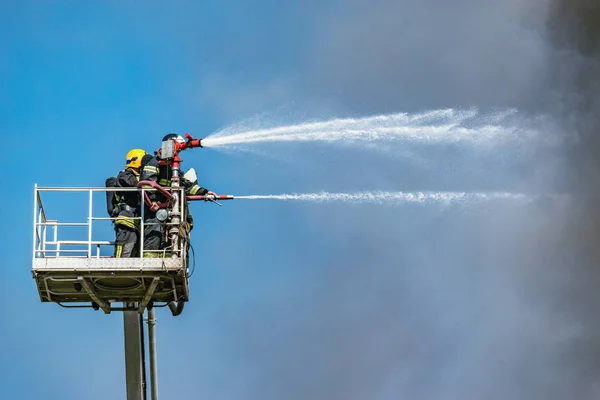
pixel 289 300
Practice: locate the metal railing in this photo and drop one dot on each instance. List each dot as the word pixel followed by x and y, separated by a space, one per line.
pixel 48 241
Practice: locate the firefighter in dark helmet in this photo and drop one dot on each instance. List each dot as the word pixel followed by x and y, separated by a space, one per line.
pixel 160 172
pixel 128 206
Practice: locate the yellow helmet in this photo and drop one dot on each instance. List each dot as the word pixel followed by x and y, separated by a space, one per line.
pixel 133 159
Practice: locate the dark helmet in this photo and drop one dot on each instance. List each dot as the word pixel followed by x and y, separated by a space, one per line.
pixel 175 137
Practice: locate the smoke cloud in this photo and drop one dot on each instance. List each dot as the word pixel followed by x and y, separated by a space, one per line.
pixel 573 29
pixel 398 55
pixel 355 302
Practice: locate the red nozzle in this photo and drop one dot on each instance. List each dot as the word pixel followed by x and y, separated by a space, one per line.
pixel 191 142
pixel 196 143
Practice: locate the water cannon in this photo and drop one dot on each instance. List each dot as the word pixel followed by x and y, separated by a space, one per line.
pixel 168 156
pixel 173 143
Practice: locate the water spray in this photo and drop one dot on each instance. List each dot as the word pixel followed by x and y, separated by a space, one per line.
pixel 171 148
pixel 437 126
pixel 378 197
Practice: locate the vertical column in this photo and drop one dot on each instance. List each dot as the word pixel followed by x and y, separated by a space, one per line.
pixel 134 353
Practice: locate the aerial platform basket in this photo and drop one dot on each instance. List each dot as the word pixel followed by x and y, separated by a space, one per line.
pixel 74 264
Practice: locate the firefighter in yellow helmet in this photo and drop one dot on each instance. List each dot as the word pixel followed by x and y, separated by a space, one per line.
pixel 128 206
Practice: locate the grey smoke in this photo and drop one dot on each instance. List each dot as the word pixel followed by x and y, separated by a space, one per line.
pixel 574 33
pixel 455 303
pixel 391 55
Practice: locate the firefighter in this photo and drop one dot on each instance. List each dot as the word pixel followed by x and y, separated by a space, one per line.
pixel 160 172
pixel 128 207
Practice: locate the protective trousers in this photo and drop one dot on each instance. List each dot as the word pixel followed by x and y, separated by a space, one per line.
pixel 153 237
pixel 126 242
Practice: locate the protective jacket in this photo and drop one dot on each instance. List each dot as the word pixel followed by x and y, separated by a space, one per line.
pixel 128 205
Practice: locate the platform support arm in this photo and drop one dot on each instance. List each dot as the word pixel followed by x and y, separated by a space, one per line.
pixel 148 295
pixel 90 290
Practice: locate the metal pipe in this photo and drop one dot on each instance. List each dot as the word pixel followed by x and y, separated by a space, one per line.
pixel 90 226
pixel 76 306
pixel 45 235
pixel 53 224
pixel 34 220
pixel 85 189
pixel 142 225
pixel 152 351
pixel 176 307
pixel 175 214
